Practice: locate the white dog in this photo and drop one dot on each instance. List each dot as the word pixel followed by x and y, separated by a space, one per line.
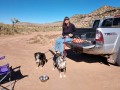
pixel 59 62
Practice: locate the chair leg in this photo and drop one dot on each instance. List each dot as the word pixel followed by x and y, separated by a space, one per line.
pixel 10 82
pixel 3 87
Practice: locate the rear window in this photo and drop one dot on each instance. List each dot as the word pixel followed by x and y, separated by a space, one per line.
pixel 96 23
pixel 107 22
pixel 111 22
pixel 116 22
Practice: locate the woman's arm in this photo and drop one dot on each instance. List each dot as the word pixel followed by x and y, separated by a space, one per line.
pixel 72 30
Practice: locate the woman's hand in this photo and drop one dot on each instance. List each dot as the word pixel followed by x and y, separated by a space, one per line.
pixel 65 36
pixel 70 35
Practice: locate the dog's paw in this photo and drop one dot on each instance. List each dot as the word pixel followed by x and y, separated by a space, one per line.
pixel 41 68
pixel 60 76
pixel 36 67
pixel 64 76
pixel 53 69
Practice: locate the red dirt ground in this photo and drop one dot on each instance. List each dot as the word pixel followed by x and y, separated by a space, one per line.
pixel 84 72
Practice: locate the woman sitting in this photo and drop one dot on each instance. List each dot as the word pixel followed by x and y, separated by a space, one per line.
pixel 67 35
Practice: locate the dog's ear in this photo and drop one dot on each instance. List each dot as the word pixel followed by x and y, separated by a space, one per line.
pixel 35 54
pixel 39 52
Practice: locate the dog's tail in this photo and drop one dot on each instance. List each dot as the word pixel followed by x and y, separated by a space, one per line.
pixel 52 52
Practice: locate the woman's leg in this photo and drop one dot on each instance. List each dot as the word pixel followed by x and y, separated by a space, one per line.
pixel 66 40
pixel 57 44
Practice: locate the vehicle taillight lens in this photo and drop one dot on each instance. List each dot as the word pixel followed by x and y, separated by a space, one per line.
pixel 99 37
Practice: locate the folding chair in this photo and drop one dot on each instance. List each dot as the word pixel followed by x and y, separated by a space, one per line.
pixel 5 73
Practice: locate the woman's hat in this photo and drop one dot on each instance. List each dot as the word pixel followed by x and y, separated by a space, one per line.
pixel 66 18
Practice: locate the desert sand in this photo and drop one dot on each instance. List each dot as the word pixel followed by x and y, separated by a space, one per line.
pixel 84 72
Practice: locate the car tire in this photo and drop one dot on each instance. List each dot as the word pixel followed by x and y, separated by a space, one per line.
pixel 118 58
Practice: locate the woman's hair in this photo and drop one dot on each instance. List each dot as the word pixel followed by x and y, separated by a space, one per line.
pixel 64 26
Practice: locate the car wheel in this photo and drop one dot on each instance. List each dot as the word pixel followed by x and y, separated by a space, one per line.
pixel 118 58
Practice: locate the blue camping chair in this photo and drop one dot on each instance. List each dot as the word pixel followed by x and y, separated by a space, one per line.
pixel 5 73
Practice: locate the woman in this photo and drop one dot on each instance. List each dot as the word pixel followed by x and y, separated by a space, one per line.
pixel 67 33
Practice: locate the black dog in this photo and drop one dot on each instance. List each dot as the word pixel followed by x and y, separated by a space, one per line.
pixel 59 62
pixel 40 59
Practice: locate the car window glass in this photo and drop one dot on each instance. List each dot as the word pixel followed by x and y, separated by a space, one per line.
pixel 116 22
pixel 96 23
pixel 107 22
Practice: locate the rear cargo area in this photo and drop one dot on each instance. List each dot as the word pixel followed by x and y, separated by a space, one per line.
pixel 86 34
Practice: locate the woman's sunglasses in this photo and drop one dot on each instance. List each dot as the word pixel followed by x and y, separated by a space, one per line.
pixel 67 19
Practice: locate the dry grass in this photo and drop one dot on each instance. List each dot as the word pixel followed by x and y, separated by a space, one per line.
pixel 25 29
pixel 44 39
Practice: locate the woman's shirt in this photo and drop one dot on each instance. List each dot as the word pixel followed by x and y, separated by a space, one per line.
pixel 69 30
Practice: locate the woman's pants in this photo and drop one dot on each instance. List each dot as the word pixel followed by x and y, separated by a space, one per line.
pixel 59 45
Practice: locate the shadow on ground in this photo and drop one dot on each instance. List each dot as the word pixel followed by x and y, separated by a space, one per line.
pixel 77 57
pixel 16 75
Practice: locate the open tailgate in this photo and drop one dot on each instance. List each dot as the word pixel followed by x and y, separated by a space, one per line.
pixel 80 46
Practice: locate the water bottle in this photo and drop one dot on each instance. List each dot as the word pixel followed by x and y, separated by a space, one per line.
pixel 83 36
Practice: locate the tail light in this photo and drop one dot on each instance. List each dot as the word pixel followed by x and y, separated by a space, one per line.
pixel 99 38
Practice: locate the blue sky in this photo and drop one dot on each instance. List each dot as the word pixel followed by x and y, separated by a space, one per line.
pixel 47 11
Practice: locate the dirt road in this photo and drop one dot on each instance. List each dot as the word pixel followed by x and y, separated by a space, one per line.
pixel 84 72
